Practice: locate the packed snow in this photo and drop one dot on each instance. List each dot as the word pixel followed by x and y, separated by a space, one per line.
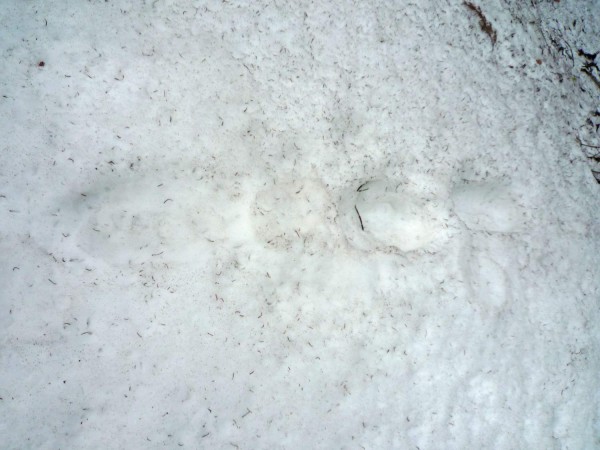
pixel 300 225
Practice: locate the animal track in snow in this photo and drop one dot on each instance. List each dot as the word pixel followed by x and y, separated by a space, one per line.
pixel 489 207
pixel 489 261
pixel 384 215
pixel 380 215
pixel 130 221
pixel 490 270
pixel 294 213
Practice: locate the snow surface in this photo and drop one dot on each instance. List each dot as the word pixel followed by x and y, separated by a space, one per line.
pixel 268 225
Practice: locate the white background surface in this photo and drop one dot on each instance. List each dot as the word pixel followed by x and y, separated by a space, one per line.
pixel 182 262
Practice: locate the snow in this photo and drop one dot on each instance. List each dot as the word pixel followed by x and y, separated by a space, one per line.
pixel 271 225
